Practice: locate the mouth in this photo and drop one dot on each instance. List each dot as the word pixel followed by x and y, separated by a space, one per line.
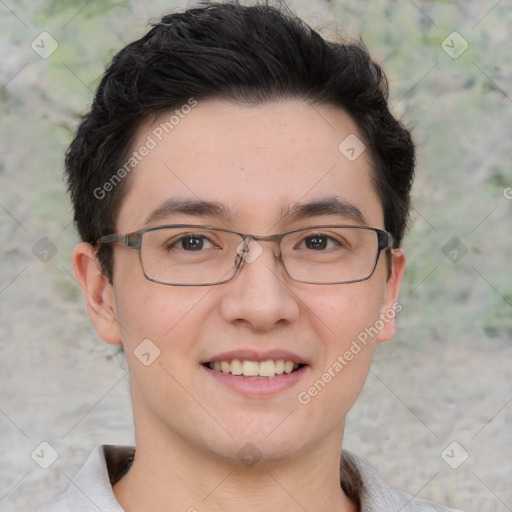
pixel 256 369
pixel 256 374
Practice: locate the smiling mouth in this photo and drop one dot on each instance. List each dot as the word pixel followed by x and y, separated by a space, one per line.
pixel 248 368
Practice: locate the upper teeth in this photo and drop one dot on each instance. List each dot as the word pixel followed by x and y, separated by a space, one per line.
pixel 254 368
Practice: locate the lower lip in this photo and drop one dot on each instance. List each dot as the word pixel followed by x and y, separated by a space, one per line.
pixel 258 386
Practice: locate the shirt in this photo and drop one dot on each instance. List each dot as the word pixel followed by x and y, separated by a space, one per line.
pixel 91 489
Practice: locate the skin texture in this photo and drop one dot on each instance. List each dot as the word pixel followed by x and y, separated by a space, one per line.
pixel 256 160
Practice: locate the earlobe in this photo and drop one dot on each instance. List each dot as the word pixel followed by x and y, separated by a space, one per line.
pixel 98 293
pixel 390 306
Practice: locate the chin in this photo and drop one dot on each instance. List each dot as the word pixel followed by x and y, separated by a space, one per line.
pixel 258 446
pixel 258 453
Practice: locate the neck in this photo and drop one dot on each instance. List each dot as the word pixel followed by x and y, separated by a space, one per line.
pixel 175 477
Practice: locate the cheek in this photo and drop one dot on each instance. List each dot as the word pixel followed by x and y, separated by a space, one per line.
pixel 158 312
pixel 343 317
pixel 161 327
pixel 344 311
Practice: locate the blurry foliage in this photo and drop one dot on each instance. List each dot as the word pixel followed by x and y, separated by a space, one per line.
pixel 457 108
pixel 460 115
pixel 53 8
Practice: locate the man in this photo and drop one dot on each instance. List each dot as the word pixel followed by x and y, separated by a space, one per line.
pixel 241 190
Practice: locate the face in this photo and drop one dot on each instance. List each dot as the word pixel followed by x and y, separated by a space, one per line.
pixel 258 163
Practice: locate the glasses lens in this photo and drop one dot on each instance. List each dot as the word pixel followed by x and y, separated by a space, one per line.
pixel 202 256
pixel 189 255
pixel 330 255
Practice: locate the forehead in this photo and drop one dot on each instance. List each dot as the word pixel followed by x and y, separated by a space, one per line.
pixel 256 162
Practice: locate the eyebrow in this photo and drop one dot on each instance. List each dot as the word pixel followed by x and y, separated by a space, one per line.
pixel 329 206
pixel 332 206
pixel 195 207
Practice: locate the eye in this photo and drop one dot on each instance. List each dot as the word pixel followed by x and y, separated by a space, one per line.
pixel 191 242
pixel 319 242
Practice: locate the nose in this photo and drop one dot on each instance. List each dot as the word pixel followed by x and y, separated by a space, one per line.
pixel 259 296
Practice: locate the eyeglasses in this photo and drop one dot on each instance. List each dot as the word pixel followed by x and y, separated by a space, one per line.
pixel 190 255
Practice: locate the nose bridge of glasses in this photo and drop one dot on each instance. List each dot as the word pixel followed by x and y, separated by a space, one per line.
pixel 250 248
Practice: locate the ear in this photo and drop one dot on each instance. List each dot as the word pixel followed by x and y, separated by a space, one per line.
pixel 390 307
pixel 98 293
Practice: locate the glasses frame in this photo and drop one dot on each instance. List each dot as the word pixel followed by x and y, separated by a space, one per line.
pixel 133 240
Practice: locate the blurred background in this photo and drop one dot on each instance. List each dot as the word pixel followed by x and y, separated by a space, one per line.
pixel 436 410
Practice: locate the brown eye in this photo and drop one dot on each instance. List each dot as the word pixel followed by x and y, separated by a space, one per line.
pixel 317 242
pixel 192 243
